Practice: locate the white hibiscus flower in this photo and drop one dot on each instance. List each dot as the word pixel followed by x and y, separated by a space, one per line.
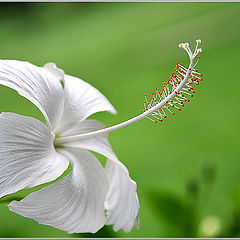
pixel 32 153
pixel 29 155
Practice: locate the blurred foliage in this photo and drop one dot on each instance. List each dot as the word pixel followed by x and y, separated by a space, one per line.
pixel 179 213
pixel 182 216
pixel 187 169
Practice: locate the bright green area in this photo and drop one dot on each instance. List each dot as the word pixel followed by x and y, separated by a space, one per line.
pixel 187 168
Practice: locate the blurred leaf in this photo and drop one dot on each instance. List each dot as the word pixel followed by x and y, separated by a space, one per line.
pixel 192 189
pixel 8 199
pixel 170 209
pixel 180 216
pixel 192 208
pixel 105 232
pixel 209 172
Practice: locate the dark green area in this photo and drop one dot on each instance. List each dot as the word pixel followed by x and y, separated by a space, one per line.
pixel 187 168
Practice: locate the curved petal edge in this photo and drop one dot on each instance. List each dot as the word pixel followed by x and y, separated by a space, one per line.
pixel 76 202
pixel 27 155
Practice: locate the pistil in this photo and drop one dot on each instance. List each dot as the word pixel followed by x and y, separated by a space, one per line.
pixel 173 95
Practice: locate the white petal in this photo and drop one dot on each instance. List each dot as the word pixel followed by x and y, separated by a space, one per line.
pixel 86 126
pixel 81 101
pixel 37 85
pixel 57 72
pixel 122 200
pixel 75 203
pixel 27 155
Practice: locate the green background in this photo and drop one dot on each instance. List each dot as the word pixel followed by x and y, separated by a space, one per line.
pixel 187 168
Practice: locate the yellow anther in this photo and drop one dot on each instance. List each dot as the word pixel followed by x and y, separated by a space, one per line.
pixel 186 44
pixel 198 41
pixel 180 45
pixel 199 50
